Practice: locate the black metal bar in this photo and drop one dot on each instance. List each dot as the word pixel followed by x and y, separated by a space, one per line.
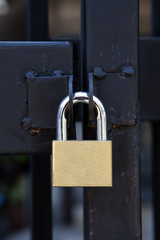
pixel 41 211
pixel 156 178
pixel 67 204
pixel 112 44
pixel 83 43
pixel 149 57
pixel 156 125
pixel 37 20
pixel 37 30
pixel 155 18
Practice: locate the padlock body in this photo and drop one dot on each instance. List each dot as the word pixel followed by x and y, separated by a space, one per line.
pixel 82 163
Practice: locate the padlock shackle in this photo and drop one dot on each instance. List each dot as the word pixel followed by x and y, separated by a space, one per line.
pixel 84 98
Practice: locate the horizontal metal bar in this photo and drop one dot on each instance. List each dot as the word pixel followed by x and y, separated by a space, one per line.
pixel 17 58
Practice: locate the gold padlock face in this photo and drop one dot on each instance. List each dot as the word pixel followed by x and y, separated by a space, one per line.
pixel 82 163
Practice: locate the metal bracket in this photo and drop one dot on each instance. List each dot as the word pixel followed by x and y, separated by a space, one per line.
pixel 43 99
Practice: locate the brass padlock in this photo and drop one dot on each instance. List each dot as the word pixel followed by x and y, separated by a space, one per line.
pixel 82 163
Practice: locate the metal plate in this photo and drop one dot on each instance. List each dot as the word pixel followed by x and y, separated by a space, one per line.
pixel 44 97
pixel 16 59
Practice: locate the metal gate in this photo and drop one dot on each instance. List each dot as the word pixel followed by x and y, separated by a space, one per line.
pixel 35 78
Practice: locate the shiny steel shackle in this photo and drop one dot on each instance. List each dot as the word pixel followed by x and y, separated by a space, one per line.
pixel 81 97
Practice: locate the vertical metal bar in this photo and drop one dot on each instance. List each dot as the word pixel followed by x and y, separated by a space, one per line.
pixel 37 20
pixel 156 132
pixel 155 17
pixel 83 43
pixel 67 204
pixel 41 198
pixel 112 43
pixel 156 178
pixel 41 214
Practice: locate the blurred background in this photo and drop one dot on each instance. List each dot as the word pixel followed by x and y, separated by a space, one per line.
pixel 67 204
